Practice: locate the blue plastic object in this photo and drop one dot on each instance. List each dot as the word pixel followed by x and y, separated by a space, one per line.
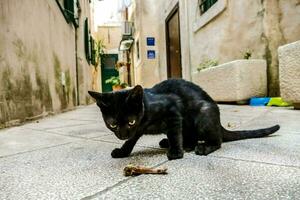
pixel 259 101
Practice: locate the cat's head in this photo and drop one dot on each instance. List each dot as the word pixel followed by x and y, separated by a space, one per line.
pixel 122 111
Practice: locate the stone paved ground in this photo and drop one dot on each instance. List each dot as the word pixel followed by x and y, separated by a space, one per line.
pixel 68 157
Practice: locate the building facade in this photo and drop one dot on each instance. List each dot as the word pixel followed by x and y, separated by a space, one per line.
pixel 45 58
pixel 110 35
pixel 187 33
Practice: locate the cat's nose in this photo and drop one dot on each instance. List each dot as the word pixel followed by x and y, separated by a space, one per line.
pixel 123 135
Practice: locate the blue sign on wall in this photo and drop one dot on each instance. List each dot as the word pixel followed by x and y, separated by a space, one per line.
pixel 151 54
pixel 150 41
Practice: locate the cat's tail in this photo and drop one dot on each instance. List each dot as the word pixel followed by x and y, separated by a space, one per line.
pixel 239 135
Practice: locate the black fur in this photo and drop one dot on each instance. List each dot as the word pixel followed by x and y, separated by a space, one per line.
pixel 178 108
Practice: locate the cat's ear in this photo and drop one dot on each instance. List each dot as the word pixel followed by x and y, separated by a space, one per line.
pixel 99 97
pixel 136 94
pixel 95 95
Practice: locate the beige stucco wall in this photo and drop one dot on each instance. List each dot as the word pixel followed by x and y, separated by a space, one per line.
pixel 149 19
pixel 289 71
pixel 148 22
pixel 85 70
pixel 37 46
pixel 258 26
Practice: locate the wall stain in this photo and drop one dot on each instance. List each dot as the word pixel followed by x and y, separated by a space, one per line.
pixel 68 84
pixel 273 38
pixel 58 85
pixel 63 91
pixel 43 91
pixel 74 96
pixel 19 100
pixel 19 48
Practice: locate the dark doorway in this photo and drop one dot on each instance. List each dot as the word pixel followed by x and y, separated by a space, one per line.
pixel 108 62
pixel 173 44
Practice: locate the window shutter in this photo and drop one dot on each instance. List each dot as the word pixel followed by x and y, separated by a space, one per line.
pixel 93 51
pixel 87 40
pixel 69 9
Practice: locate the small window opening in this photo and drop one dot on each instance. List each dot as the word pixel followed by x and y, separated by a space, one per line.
pixel 204 5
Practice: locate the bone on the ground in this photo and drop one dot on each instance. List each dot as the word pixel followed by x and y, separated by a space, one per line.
pixel 131 170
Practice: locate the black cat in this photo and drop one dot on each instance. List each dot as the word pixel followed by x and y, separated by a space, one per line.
pixel 178 108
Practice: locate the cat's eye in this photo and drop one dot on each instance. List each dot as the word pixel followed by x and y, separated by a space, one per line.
pixel 113 125
pixel 131 123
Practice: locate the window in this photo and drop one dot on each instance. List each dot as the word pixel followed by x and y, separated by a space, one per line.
pixel 71 11
pixel 109 62
pixel 89 44
pixel 209 9
pixel 204 5
pixel 69 8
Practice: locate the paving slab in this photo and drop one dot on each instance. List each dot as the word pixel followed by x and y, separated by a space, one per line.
pixel 92 130
pixel 80 116
pixel 71 171
pixel 87 113
pixel 288 119
pixel 200 177
pixel 233 117
pixel 19 140
pixel 54 123
pixel 279 149
pixel 145 141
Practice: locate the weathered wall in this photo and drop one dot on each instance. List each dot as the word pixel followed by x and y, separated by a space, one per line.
pixel 149 19
pixel 85 71
pixel 37 46
pixel 281 26
pixel 259 26
pixel 289 72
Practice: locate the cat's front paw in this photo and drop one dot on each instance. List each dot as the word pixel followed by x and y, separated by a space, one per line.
pixel 164 143
pixel 200 149
pixel 119 153
pixel 174 154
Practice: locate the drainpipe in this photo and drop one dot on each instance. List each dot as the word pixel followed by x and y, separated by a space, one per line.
pixel 76 63
pixel 187 21
pixel 127 55
pixel 76 55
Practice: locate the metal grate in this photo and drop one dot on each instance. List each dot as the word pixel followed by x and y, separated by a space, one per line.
pixel 204 5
